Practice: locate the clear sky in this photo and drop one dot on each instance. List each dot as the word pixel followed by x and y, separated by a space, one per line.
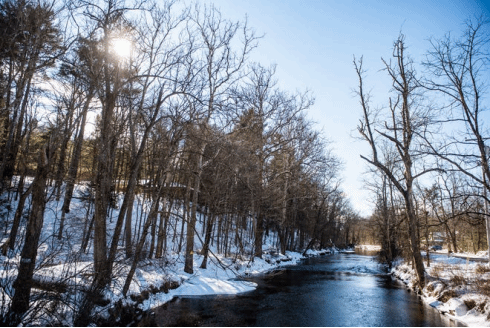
pixel 313 43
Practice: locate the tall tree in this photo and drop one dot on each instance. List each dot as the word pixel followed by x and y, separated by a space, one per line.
pixel 83 92
pixel 407 118
pixel 33 45
pixel 459 72
pixel 109 23
pixel 23 283
pixel 221 65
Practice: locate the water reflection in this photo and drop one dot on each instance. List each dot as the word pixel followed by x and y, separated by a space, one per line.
pixel 335 290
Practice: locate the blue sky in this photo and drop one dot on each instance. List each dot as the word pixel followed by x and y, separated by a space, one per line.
pixel 313 43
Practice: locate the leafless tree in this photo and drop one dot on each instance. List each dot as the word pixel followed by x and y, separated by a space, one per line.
pixel 406 119
pixel 459 70
pixel 221 65
pixel 33 46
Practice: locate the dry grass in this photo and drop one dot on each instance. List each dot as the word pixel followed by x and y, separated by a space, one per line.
pixel 482 269
pixel 439 269
pixel 483 286
pixel 481 307
pixel 470 304
pixel 447 295
pixel 457 280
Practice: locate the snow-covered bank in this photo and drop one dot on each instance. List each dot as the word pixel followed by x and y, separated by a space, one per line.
pixel 371 248
pixel 156 283
pixel 64 267
pixel 219 278
pixel 223 276
pixel 456 286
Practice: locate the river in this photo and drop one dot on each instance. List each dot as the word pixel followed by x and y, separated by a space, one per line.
pixel 332 290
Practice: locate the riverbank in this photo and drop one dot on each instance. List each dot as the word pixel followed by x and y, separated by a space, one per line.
pixel 64 267
pixel 156 282
pixel 457 285
pixel 340 290
pixel 219 278
pixel 370 248
pixel 223 276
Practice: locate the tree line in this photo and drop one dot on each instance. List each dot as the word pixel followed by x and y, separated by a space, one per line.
pixel 429 158
pixel 185 121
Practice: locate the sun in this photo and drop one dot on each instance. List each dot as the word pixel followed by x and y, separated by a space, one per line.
pixel 121 47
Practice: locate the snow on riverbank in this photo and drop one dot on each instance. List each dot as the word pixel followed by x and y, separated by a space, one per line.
pixel 458 286
pixel 220 278
pixel 370 248
pixel 65 266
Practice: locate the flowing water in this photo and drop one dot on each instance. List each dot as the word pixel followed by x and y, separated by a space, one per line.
pixel 332 290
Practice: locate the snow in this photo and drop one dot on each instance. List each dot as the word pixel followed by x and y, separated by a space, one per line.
pixel 217 281
pixel 452 284
pixel 160 280
pixel 369 247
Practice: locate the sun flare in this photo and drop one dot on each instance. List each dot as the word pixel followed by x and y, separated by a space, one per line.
pixel 122 47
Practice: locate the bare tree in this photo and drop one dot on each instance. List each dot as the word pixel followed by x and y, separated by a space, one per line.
pixel 221 66
pixel 33 46
pixel 24 282
pixel 164 78
pixel 82 93
pixel 407 118
pixel 459 71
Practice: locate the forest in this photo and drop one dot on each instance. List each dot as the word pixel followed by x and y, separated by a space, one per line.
pixel 151 117
pixel 139 127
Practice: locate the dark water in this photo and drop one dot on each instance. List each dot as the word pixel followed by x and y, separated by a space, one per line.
pixel 334 290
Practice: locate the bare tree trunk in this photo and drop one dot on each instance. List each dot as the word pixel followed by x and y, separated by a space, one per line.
pixel 207 240
pixel 67 133
pixel 162 228
pixel 73 169
pixel 415 241
pixel 150 220
pixel 191 224
pixel 129 228
pixel 284 211
pixel 23 283
pixel 103 184
pixel 153 237
pixel 17 218
pixel 185 216
pixel 259 233
pixel 87 233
